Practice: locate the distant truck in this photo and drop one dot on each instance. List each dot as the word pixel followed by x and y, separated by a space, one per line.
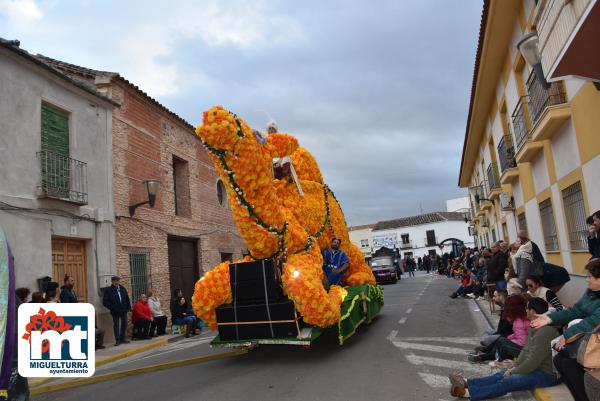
pixel 384 270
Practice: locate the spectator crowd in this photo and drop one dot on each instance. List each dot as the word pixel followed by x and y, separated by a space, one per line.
pixel 538 342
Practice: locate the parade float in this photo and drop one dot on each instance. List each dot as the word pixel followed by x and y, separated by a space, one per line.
pixel 286 216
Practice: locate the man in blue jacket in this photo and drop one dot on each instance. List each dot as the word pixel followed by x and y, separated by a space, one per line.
pixel 117 301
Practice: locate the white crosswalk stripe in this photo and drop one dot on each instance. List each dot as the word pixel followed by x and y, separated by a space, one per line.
pixel 429 347
pixel 435 358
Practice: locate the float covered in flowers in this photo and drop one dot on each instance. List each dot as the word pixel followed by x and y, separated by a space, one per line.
pixel 276 220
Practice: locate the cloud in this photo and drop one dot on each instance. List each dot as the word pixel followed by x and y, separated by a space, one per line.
pixel 20 11
pixel 378 93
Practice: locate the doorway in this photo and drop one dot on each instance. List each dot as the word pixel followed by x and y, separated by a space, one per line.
pixel 183 264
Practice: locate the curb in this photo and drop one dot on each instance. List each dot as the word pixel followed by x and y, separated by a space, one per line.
pixel 541 395
pixel 134 372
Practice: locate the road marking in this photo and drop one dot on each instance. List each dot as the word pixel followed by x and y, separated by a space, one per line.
pixel 481 370
pixel 435 381
pixel 402 321
pixel 428 347
pixel 392 335
pixel 408 311
pixel 455 340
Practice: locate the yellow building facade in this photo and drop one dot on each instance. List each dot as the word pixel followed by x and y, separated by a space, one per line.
pixel 531 156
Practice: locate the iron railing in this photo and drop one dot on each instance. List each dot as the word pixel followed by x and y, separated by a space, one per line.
pixel 406 245
pixel 506 153
pixel 520 122
pixel 430 241
pixel 493 177
pixel 63 178
pixel 540 98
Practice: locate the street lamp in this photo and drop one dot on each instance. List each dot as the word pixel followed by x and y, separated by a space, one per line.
pixel 528 46
pixel 152 189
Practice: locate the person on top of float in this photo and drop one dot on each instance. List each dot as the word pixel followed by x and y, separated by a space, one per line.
pixel 335 263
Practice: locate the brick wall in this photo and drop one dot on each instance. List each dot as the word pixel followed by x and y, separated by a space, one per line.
pixel 145 138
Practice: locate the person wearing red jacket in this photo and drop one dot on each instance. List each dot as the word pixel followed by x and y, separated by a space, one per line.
pixel 141 319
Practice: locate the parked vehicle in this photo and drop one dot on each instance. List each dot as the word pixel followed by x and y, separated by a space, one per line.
pixel 384 270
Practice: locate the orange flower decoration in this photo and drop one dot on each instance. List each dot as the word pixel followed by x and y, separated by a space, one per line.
pixel 275 221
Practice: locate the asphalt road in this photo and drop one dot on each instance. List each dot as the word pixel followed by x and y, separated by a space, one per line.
pixel 420 337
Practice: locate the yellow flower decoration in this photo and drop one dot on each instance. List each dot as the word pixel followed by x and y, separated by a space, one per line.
pixel 275 221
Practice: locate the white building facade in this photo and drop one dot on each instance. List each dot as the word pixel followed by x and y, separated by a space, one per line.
pixel 414 236
pixel 56 198
pixel 426 234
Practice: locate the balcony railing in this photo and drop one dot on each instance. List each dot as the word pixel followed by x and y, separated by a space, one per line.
pixel 430 241
pixel 493 177
pixel 540 98
pixel 520 122
pixel 63 178
pixel 506 152
pixel 406 245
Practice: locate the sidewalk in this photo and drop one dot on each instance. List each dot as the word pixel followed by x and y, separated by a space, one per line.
pixel 556 393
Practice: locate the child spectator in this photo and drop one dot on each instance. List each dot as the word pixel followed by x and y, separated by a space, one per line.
pixel 509 347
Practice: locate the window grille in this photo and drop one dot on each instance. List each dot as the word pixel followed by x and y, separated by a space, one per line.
pixel 575 216
pixel 548 225
pixel 522 220
pixel 139 279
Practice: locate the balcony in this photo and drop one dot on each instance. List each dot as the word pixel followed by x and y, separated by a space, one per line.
pixel 406 245
pixel 493 177
pixel 549 108
pixel 521 121
pixel 63 178
pixel 430 241
pixel 538 116
pixel 540 98
pixel 508 163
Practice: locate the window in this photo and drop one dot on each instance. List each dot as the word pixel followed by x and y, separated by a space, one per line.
pixel 139 280
pixel 364 243
pixel 221 192
pixel 494 239
pixel 505 232
pixel 405 239
pixel 181 187
pixel 548 226
pixel 226 256
pixel 522 221
pixel 430 240
pixel 55 152
pixel 575 216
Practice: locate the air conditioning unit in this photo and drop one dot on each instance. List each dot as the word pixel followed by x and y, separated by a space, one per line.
pixel 507 202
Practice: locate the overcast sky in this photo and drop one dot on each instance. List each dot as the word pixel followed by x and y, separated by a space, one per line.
pixel 377 91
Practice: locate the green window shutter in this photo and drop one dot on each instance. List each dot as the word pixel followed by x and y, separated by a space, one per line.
pixel 55 131
pixel 55 152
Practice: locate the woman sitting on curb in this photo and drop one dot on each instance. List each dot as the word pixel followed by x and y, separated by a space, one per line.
pixel 515 312
pixel 533 368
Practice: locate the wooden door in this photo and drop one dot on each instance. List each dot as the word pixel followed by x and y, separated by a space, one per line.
pixel 68 257
pixel 183 265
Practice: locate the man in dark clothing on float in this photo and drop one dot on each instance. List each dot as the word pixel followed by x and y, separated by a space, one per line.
pixel 593 223
pixel 117 301
pixel 496 266
pixel 67 295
